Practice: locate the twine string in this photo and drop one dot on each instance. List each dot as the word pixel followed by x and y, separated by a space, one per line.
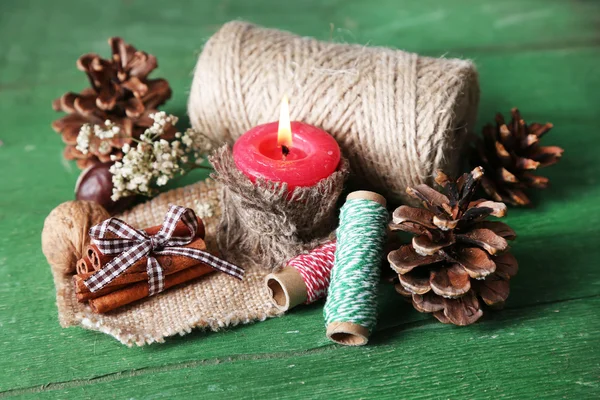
pixel 352 295
pixel 315 269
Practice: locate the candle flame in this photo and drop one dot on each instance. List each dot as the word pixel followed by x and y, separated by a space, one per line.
pixel 284 132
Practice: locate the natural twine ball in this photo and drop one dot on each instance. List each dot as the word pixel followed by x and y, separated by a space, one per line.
pixel 397 116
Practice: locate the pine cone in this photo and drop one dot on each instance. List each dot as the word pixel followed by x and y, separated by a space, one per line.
pixel 120 92
pixel 508 152
pixel 456 256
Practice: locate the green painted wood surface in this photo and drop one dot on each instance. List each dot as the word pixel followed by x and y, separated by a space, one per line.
pixel 541 55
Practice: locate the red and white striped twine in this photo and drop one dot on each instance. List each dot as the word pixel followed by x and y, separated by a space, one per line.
pixel 315 269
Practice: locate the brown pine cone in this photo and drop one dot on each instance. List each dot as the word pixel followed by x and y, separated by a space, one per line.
pixel 120 92
pixel 456 256
pixel 508 153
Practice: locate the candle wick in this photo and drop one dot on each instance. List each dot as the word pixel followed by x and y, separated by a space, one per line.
pixel 285 151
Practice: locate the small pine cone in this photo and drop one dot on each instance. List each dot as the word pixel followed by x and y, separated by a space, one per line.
pixel 120 92
pixel 456 256
pixel 508 154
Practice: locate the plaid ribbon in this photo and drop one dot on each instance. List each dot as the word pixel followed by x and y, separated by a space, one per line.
pixel 132 245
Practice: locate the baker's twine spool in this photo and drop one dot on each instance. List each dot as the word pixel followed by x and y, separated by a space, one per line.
pixel 351 308
pixel 304 280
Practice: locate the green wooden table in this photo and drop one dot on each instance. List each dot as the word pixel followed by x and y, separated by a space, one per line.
pixel 540 55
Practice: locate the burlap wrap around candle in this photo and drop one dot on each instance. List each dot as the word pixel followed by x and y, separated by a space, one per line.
pixel 397 116
pixel 263 223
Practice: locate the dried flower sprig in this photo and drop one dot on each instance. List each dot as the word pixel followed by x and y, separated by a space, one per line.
pixel 97 138
pixel 155 161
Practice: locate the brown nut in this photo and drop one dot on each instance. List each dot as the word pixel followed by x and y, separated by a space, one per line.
pixel 95 184
pixel 65 233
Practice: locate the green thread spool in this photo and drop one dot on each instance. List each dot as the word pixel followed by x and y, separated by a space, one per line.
pixel 351 308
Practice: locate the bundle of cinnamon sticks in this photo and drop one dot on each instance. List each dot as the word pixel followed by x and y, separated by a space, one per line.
pixel 132 285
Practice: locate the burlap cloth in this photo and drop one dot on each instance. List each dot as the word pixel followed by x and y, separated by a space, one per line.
pixel 263 223
pixel 212 302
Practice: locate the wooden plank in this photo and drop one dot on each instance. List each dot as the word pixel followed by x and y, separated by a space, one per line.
pixel 538 352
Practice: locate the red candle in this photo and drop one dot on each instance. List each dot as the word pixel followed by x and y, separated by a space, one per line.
pixel 297 154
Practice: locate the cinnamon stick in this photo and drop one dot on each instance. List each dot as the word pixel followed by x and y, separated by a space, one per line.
pixel 85 296
pixel 84 266
pixel 121 280
pixel 137 272
pixel 99 260
pixel 140 266
pixel 180 229
pixel 139 290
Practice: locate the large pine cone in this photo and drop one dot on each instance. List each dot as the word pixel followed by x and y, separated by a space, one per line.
pixel 456 256
pixel 508 153
pixel 120 92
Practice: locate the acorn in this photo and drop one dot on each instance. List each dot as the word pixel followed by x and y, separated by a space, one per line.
pixel 95 184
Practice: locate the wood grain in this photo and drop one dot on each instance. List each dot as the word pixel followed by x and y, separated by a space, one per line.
pixel 542 362
pixel 540 55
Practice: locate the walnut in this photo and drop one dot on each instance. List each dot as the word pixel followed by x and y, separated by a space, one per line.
pixel 65 233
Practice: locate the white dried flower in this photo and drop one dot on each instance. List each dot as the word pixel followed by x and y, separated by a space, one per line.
pixel 155 161
pixel 98 136
pixel 204 210
pixel 162 180
pixel 104 147
pixel 83 138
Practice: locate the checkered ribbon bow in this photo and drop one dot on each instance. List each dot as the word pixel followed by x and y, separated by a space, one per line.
pixel 132 245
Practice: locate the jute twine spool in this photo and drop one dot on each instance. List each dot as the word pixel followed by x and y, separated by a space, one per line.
pixel 263 223
pixel 397 116
pixel 351 308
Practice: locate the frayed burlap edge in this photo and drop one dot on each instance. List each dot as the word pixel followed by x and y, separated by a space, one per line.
pixel 212 302
pixel 262 224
